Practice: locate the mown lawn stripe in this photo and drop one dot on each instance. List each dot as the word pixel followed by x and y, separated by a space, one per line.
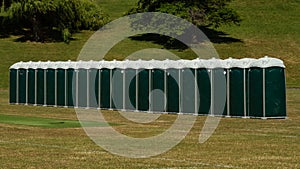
pixel 47 122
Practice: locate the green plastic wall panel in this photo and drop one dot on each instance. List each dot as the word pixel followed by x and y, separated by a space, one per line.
pixel 117 89
pixel 173 90
pixel 188 90
pixel 71 87
pixel 143 90
pixel 13 86
pixel 275 92
pixel 105 89
pixel 204 88
pixel 82 88
pixel 93 92
pixel 130 89
pixel 219 92
pixel 31 86
pixel 50 89
pixel 157 90
pixel 225 113
pixel 236 92
pixel 256 92
pixel 40 86
pixel 22 86
pixel 61 84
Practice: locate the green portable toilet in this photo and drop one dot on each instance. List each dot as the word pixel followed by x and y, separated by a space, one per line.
pixel 275 91
pixel 143 89
pixel 172 90
pixel 13 85
pixel 211 83
pixel 117 88
pixel 237 89
pixel 267 94
pixel 157 90
pixel 130 88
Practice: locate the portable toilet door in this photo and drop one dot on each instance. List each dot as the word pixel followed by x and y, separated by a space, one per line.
pixel 31 84
pixel 82 87
pixel 22 77
pixel 130 89
pixel 144 88
pixel 256 92
pixel 218 83
pixel 40 83
pixel 13 85
pixel 173 90
pixel 93 88
pixel 237 92
pixel 105 88
pixel 117 89
pixel 157 91
pixel 187 90
pixel 71 87
pixel 61 87
pixel 204 88
pixel 275 92
pixel 50 87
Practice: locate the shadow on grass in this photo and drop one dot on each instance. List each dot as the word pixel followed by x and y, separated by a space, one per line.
pixel 170 43
pixel 45 36
pixel 218 36
pixel 25 35
pixel 167 42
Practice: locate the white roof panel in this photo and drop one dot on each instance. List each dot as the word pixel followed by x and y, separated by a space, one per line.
pixel 154 64
pixel 268 62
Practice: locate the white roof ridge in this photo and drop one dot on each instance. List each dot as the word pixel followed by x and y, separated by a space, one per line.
pixel 212 63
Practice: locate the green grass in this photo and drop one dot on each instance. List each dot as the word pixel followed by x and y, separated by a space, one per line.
pixel 116 8
pixel 47 122
pixel 12 52
pixel 269 27
pixel 237 143
pixel 37 121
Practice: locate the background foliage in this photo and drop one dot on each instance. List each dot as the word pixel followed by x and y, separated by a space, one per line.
pixel 202 13
pixel 45 18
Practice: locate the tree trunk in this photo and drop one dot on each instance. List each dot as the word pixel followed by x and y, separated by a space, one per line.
pixel 36 29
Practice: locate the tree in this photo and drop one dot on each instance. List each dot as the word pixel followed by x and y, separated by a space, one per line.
pixel 200 12
pixel 44 17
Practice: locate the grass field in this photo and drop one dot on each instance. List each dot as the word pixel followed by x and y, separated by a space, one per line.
pixel 44 137
pixel 237 143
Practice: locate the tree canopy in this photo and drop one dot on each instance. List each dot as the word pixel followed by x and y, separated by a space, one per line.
pixel 200 12
pixel 45 17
